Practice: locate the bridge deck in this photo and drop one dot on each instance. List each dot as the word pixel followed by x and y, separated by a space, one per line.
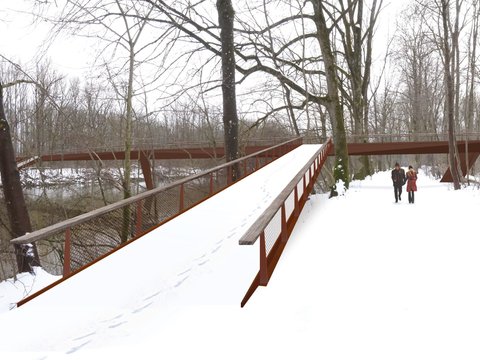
pixel 194 259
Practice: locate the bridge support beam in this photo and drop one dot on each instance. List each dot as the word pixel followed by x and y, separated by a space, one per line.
pixel 472 158
pixel 146 169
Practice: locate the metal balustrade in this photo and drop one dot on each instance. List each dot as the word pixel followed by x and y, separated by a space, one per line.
pixel 75 243
pixel 273 228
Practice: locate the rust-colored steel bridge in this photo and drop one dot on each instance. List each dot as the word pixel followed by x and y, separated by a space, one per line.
pixel 88 238
pixel 403 144
pixel 468 151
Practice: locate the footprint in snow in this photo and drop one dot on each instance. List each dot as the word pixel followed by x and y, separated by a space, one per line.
pixel 137 310
pixel 180 282
pixel 114 318
pixel 76 348
pixel 216 249
pixel 184 272
pixel 203 262
pixel 152 296
pixel 200 258
pixel 117 324
pixel 84 336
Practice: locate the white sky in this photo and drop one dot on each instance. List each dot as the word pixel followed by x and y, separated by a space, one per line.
pixel 25 40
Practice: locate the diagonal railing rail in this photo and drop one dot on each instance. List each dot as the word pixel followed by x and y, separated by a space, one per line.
pixel 274 226
pixel 75 243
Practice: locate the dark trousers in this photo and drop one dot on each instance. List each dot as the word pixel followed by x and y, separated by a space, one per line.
pixel 398 192
pixel 411 197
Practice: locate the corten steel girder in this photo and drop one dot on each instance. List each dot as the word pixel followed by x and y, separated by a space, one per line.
pixel 158 154
pixel 420 147
pixel 409 148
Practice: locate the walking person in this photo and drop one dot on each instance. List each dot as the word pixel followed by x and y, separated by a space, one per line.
pixel 398 178
pixel 411 184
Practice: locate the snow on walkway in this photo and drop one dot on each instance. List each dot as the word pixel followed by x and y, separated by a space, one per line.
pixel 365 278
pixel 150 286
pixel 361 278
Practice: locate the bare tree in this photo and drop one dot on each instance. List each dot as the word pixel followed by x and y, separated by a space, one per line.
pixel 27 256
pixel 230 117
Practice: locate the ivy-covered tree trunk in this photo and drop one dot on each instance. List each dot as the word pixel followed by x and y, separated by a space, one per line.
pixel 341 170
pixel 26 255
pixel 226 16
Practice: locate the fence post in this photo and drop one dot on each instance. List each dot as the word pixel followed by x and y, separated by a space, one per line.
pixel 211 183
pixel 304 185
pixel 244 168
pixel 296 210
pixel 67 253
pixel 182 197
pixel 229 175
pixel 257 164
pixel 263 261
pixel 139 219
pixel 284 224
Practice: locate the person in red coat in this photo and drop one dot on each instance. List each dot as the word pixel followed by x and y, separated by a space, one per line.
pixel 411 184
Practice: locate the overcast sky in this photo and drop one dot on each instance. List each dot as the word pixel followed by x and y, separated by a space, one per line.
pixel 24 40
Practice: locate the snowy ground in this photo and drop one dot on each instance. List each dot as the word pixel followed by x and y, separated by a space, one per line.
pixel 13 290
pixel 361 278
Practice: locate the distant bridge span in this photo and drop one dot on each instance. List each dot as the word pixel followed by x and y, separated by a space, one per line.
pixel 472 148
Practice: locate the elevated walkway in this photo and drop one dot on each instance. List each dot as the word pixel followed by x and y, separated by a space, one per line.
pixel 194 258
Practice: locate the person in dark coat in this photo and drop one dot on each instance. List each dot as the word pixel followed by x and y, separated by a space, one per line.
pixel 411 184
pixel 398 178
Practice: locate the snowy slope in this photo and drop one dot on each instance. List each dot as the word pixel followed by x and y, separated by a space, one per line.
pixel 395 281
pixel 13 290
pixel 192 261
pixel 361 278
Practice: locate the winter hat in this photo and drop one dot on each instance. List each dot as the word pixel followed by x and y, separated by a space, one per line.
pixel 410 167
pixel 397 164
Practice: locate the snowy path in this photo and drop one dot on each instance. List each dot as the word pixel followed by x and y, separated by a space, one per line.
pixel 395 281
pixel 361 278
pixel 194 260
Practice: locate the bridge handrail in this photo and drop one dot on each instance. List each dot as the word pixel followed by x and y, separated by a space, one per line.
pixel 253 233
pixel 275 224
pixel 152 143
pixel 64 225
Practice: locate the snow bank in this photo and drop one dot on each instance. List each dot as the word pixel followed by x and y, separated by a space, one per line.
pixel 361 278
pixel 25 284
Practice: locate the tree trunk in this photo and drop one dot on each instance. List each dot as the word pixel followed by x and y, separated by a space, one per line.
pixel 127 165
pixel 450 99
pixel 230 118
pixel 26 255
pixel 341 170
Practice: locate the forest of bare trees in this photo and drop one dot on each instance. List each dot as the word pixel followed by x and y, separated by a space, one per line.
pixel 224 72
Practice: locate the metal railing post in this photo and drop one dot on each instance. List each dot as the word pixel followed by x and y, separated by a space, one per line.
pixel 67 253
pixel 284 224
pixel 296 210
pixel 211 183
pixel 182 197
pixel 139 219
pixel 304 185
pixel 263 261
pixel 229 175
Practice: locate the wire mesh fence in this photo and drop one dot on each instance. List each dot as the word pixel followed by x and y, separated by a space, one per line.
pixel 75 243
